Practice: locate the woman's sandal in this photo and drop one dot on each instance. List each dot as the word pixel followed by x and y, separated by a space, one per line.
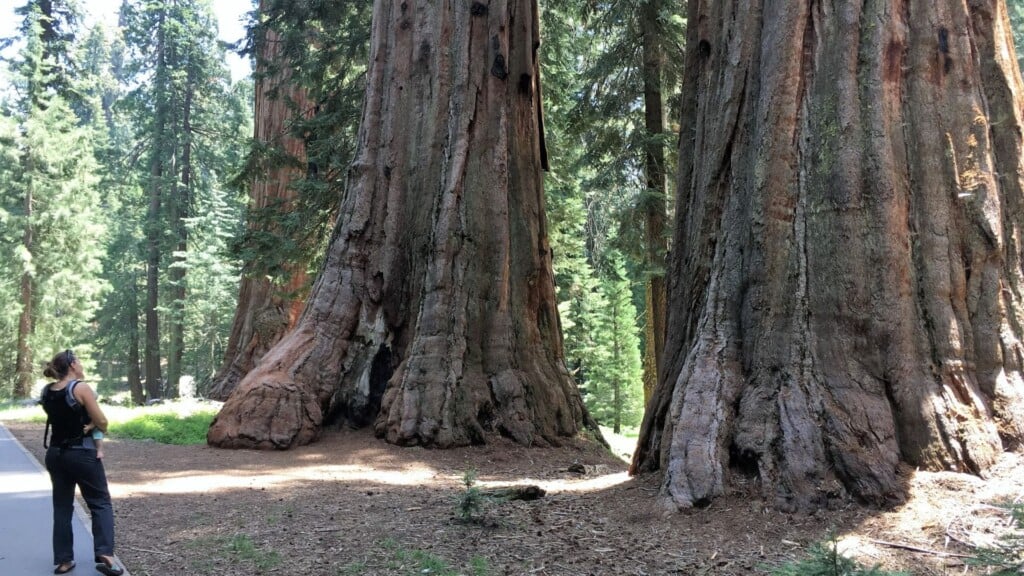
pixel 64 568
pixel 110 569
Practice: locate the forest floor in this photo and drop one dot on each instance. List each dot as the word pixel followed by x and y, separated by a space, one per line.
pixel 351 504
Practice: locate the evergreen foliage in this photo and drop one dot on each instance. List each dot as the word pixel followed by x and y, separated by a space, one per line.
pixel 471 501
pixel 49 203
pixel 1016 10
pixel 325 48
pixel 588 191
pixel 188 124
pixel 1007 557
pixel 614 394
pixel 824 559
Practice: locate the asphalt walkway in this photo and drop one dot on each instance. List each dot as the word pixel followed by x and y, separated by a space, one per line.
pixel 26 516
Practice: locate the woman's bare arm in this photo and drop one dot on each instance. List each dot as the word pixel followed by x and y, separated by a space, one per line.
pixel 87 398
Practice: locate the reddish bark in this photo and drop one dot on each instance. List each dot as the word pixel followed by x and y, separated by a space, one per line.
pixel 434 318
pixel 847 277
pixel 267 310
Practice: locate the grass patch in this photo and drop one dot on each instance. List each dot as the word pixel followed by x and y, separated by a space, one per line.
pixel 180 423
pixel 242 548
pixel 419 562
pixel 237 549
pixel 165 427
pixel 16 412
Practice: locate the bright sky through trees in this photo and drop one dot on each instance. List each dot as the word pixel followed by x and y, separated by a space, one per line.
pixel 231 16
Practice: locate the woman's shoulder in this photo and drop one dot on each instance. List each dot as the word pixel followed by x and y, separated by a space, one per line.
pixel 80 388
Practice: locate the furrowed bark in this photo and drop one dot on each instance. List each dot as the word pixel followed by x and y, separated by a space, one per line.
pixel 846 268
pixel 267 310
pixel 434 317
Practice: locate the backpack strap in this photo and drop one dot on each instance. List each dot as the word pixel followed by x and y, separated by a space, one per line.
pixel 72 401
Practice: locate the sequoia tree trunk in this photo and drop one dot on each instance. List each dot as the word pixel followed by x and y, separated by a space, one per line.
pixel 434 318
pixel 846 278
pixel 267 310
pixel 134 374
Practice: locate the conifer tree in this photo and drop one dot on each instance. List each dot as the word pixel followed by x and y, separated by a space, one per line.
pixel 50 198
pixel 621 374
pixel 584 212
pixel 181 122
pixel 104 87
pixel 635 43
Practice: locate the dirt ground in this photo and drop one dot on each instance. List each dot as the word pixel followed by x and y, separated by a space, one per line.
pixel 351 504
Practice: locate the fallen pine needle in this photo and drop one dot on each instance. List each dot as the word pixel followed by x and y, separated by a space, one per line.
pixel 147 550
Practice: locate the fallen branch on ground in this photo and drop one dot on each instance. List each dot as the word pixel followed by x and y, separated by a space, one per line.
pixel 531 492
pixel 916 549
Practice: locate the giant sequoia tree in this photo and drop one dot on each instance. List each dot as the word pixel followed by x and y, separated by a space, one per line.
pixel 265 309
pixel 846 285
pixel 434 316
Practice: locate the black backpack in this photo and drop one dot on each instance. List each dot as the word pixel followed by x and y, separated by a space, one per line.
pixel 75 405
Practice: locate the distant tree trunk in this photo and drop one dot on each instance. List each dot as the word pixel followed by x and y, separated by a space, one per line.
pixel 618 398
pixel 134 375
pixel 180 211
pixel 266 311
pixel 846 278
pixel 654 198
pixel 153 228
pixel 152 352
pixel 23 363
pixel 434 318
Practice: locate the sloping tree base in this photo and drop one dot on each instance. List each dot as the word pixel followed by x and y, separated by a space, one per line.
pixel 434 318
pixel 847 280
pixel 273 415
pixel 267 310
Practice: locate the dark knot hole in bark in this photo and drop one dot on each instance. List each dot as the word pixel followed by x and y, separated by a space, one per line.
pixel 703 49
pixel 947 60
pixel 361 409
pixel 744 461
pixel 526 85
pixel 498 69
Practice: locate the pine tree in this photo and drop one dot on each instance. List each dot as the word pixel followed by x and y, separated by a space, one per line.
pixel 584 221
pixel 623 373
pixel 104 85
pixel 627 59
pixel 51 197
pixel 185 118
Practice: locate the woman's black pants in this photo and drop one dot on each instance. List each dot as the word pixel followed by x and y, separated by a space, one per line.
pixel 70 467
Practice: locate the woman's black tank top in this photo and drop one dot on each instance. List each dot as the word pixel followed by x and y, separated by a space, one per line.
pixel 66 420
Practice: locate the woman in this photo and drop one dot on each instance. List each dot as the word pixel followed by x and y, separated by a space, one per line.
pixel 72 411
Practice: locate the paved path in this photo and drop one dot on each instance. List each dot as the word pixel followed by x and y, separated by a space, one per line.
pixel 26 516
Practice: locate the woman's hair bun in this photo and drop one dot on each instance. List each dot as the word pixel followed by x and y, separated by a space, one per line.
pixel 49 371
